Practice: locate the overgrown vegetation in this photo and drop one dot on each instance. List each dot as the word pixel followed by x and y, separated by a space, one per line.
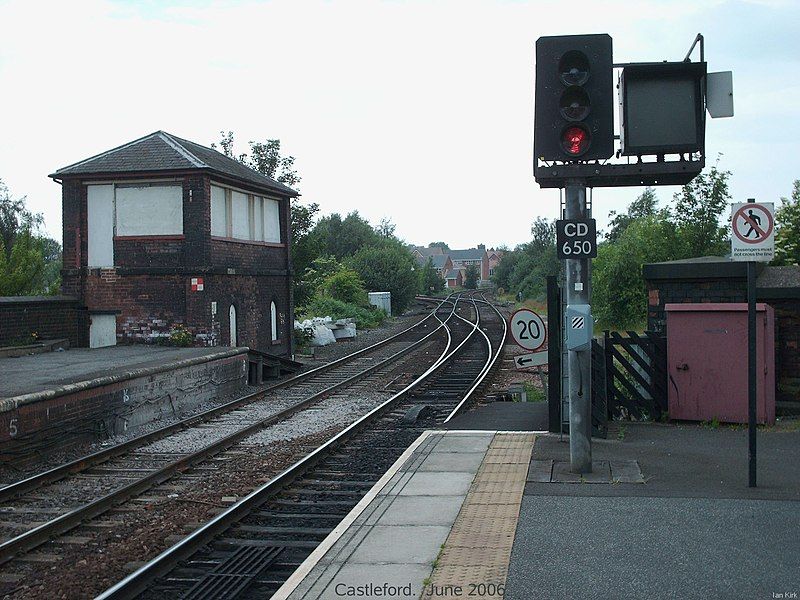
pixel 337 260
pixel 336 309
pixel 693 224
pixel 30 262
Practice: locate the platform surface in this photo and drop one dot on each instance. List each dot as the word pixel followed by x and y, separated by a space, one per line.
pixel 667 514
pixel 503 416
pixel 691 530
pixel 40 372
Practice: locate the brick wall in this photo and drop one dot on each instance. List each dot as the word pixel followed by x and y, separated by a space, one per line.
pixel 50 317
pixel 149 288
pixel 676 291
pixel 28 431
pixel 734 289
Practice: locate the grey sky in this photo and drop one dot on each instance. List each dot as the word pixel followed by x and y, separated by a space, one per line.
pixel 417 111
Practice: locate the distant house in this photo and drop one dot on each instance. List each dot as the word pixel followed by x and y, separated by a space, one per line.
pixel 494 258
pixel 454 279
pixel 162 232
pixel 472 256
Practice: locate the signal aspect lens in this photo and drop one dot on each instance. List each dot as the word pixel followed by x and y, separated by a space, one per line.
pixel 574 103
pixel 574 68
pixel 575 140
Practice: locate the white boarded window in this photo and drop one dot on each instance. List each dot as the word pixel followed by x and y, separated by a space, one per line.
pixel 272 221
pixel 273 318
pixel 149 210
pixel 219 213
pixel 100 208
pixel 258 217
pixel 239 211
pixel 242 216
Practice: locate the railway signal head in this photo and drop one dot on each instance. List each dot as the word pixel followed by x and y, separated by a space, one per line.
pixel 574 118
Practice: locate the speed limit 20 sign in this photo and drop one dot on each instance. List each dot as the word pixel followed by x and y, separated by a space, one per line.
pixel 576 238
pixel 528 329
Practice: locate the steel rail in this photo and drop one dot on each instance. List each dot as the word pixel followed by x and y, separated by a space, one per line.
pixel 137 582
pixel 488 367
pixel 67 521
pixel 29 484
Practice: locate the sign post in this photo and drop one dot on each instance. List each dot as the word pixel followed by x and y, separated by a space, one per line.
pixel 752 240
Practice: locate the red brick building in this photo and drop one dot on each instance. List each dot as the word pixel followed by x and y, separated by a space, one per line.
pixel 162 232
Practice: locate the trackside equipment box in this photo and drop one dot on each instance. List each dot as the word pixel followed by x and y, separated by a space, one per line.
pixel 579 325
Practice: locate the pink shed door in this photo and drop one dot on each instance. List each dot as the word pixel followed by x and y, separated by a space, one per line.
pixel 707 362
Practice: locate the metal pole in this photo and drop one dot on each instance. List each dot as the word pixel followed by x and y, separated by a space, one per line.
pixel 578 281
pixel 751 370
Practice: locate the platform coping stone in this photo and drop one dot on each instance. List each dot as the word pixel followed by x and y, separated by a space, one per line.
pixel 477 551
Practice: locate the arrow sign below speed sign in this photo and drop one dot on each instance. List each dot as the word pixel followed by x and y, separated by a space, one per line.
pixel 528 329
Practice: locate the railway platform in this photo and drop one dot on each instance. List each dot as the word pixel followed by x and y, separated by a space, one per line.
pixel 80 393
pixel 496 514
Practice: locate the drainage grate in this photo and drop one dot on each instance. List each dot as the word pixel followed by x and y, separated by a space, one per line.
pixel 247 562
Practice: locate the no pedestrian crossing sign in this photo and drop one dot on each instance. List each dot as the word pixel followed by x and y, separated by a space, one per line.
pixel 753 231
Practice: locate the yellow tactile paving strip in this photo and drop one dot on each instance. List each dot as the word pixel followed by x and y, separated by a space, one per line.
pixel 477 552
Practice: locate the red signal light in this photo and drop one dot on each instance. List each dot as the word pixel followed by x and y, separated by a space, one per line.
pixel 575 140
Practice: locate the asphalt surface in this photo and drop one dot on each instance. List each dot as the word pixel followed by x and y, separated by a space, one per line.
pixel 39 372
pixel 692 530
pixel 503 416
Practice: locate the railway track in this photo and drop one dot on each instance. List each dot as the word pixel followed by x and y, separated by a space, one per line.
pixel 249 550
pixel 45 506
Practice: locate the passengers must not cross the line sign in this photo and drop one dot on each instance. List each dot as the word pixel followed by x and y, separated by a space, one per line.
pixel 753 231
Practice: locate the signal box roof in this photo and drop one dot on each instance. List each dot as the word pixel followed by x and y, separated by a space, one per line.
pixel 163 152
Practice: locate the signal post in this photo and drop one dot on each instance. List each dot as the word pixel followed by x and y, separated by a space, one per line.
pixel 662 108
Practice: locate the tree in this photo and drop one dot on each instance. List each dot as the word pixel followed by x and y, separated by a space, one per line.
pixel 265 157
pixel 385 228
pixel 696 214
pixel 30 263
pixel 619 293
pixel 342 238
pixel 643 206
pixel 388 267
pixel 471 276
pixel 441 245
pixel 787 235
pixel 429 279
pixel 525 268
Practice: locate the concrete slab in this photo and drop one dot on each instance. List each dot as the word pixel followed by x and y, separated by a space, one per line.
pixel 477 442
pixel 442 483
pixel 397 532
pixel 601 473
pixel 453 461
pixel 421 510
pixel 400 544
pixel 395 581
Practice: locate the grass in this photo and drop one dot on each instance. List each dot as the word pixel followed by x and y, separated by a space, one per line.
pixel 621 432
pixel 534 393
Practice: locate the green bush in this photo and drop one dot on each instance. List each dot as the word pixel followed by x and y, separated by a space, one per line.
pixel 389 267
pixel 345 286
pixel 336 309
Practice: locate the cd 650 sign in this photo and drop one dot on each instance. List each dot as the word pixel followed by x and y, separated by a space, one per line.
pixel 576 238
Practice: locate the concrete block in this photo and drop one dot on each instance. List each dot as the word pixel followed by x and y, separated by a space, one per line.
pixel 422 510
pixel 442 483
pixel 453 461
pixel 401 544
